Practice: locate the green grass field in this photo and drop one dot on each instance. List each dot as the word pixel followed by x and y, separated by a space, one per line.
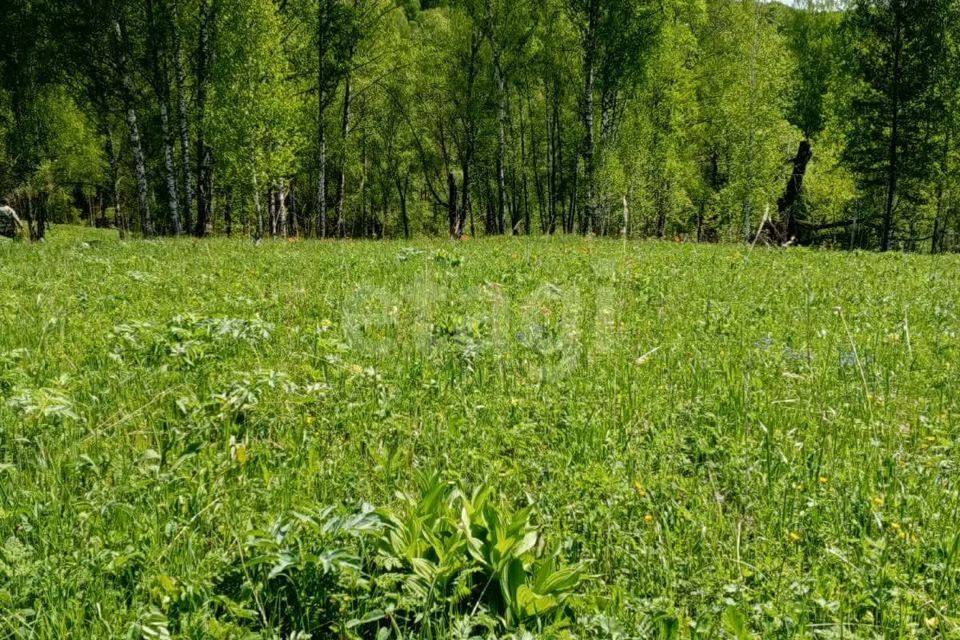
pixel 554 437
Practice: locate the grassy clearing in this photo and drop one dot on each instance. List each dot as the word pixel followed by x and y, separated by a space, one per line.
pixel 712 443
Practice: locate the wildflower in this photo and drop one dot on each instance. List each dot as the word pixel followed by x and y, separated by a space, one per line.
pixel 794 537
pixel 238 450
pixel 878 501
pixel 639 489
pixel 824 480
pixel 931 439
pixel 648 518
pixel 932 623
pixel 310 420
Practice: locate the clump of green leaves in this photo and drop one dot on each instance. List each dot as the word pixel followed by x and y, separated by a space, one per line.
pixel 455 552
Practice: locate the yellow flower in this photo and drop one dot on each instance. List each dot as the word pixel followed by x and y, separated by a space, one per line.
pixel 311 420
pixel 824 480
pixel 931 439
pixel 648 518
pixel 242 453
pixel 794 537
pixel 639 489
pixel 932 623
pixel 895 526
pixel 878 501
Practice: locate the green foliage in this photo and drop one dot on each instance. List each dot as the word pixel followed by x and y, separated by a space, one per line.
pixel 744 93
pixel 813 39
pixel 898 56
pixel 455 553
pixel 563 438
pixel 831 187
pixel 254 111
pixel 390 117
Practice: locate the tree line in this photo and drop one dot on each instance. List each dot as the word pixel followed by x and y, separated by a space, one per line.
pixel 709 120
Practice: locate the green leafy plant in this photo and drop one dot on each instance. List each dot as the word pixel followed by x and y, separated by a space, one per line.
pixel 462 551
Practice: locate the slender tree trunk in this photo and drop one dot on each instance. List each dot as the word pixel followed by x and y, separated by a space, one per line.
pixel 292 213
pixel 161 87
pixel 470 135
pixel 748 193
pixel 322 179
pixel 700 213
pixel 345 137
pixel 402 192
pixel 501 141
pixel 556 169
pixel 282 208
pixel 551 180
pixel 204 155
pixel 540 188
pixel 524 178
pixel 590 209
pixel 936 240
pixel 272 211
pixel 228 214
pixel 41 221
pixel 30 217
pixel 257 205
pixel 515 203
pixel 893 160
pixel 573 196
pixel 363 179
pixel 133 129
pixel 465 204
pixel 186 205
pixel 171 170
pixel 322 19
pixel 115 186
pixel 452 201
pixel 140 169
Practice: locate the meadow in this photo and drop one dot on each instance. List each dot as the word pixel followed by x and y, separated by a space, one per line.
pixel 504 438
